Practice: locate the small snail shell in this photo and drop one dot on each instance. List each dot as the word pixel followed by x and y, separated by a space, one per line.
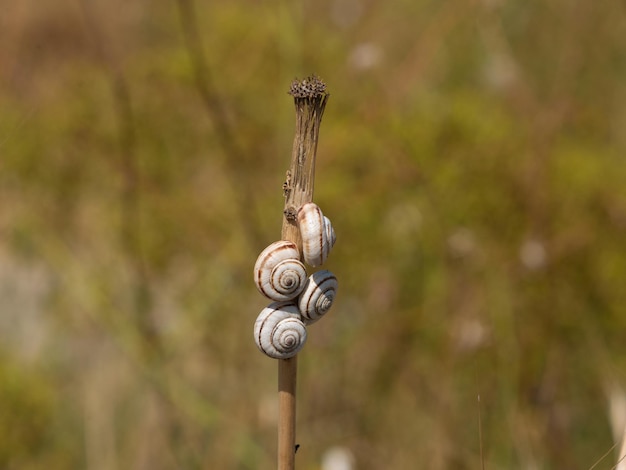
pixel 330 232
pixel 318 296
pixel 318 236
pixel 278 272
pixel 278 331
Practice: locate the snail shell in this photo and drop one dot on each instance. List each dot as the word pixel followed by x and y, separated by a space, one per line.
pixel 278 331
pixel 278 273
pixel 318 236
pixel 318 296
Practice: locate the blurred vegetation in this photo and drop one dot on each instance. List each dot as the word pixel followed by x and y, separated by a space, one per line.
pixel 471 158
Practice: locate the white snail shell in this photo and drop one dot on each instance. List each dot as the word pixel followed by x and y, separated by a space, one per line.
pixel 278 272
pixel 318 296
pixel 318 236
pixel 278 331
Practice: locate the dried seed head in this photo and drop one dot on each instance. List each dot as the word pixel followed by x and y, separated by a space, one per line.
pixel 310 87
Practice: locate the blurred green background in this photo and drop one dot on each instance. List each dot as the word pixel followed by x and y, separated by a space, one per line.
pixel 471 158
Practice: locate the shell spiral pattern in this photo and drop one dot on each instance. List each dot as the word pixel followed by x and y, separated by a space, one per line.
pixel 278 273
pixel 318 236
pixel 278 331
pixel 318 296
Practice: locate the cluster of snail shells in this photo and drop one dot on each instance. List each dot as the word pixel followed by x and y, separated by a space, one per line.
pixel 298 299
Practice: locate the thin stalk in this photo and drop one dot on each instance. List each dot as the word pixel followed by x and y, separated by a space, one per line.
pixel 310 99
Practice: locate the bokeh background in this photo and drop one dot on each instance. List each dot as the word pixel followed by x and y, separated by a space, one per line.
pixel 471 158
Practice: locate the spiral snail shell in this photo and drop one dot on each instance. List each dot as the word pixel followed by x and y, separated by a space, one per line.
pixel 278 272
pixel 318 236
pixel 278 331
pixel 317 296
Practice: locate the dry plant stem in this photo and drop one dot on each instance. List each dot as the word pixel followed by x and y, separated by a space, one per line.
pixel 287 378
pixel 310 98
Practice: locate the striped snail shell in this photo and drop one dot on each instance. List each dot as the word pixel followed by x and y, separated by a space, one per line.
pixel 318 236
pixel 278 331
pixel 318 295
pixel 278 273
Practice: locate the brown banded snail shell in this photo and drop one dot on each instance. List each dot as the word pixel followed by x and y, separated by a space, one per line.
pixel 318 296
pixel 278 331
pixel 278 273
pixel 318 236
